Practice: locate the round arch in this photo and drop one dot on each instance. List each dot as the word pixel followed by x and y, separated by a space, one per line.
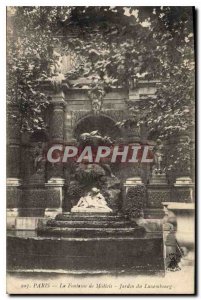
pixel 104 124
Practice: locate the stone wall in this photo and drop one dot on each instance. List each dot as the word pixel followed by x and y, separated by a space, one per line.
pixel 33 194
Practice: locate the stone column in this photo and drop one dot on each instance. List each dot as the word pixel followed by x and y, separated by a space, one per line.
pixel 55 185
pixel 13 166
pixel 183 186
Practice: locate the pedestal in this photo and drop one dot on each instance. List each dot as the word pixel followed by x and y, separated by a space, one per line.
pixel 158 191
pixel 54 197
pixel 33 201
pixel 157 195
pixel 13 199
pixel 183 189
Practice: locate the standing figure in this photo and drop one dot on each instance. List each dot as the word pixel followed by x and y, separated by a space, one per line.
pixel 158 156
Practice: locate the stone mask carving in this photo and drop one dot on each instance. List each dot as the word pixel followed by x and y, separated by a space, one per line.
pixel 96 106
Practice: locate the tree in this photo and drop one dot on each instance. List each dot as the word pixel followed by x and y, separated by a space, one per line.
pixel 31 60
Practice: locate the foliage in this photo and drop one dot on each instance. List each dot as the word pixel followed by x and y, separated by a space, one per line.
pixel 134 202
pixel 31 59
pixel 89 173
pixel 75 192
pixel 115 46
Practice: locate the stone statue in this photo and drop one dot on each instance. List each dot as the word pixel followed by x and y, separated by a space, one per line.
pixel 92 202
pixel 94 138
pixel 158 156
pixel 39 163
pixel 39 160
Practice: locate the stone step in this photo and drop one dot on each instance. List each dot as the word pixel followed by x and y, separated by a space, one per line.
pixel 90 223
pixel 90 213
pixel 89 232
pixel 89 216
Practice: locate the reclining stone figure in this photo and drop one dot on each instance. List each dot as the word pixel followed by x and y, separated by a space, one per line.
pixel 93 201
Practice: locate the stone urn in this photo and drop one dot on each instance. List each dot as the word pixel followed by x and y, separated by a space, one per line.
pixel 185 228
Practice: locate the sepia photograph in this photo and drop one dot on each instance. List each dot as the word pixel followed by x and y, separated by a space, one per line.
pixel 100 134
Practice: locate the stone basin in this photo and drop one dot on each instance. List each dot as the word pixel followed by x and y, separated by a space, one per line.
pixel 124 254
pixel 87 241
pixel 185 228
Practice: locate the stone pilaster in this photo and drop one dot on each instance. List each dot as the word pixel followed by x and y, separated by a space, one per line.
pixel 68 134
pixel 55 185
pixel 54 196
pixel 57 130
pixel 33 201
pixel 57 122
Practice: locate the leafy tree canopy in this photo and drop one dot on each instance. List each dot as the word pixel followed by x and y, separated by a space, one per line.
pixel 115 45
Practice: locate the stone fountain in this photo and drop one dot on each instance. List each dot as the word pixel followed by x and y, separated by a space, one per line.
pixel 94 236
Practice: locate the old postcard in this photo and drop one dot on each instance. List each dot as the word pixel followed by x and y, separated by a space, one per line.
pixel 100 150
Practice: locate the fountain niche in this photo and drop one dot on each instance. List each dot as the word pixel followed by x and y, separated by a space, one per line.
pixel 93 233
pixel 96 207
